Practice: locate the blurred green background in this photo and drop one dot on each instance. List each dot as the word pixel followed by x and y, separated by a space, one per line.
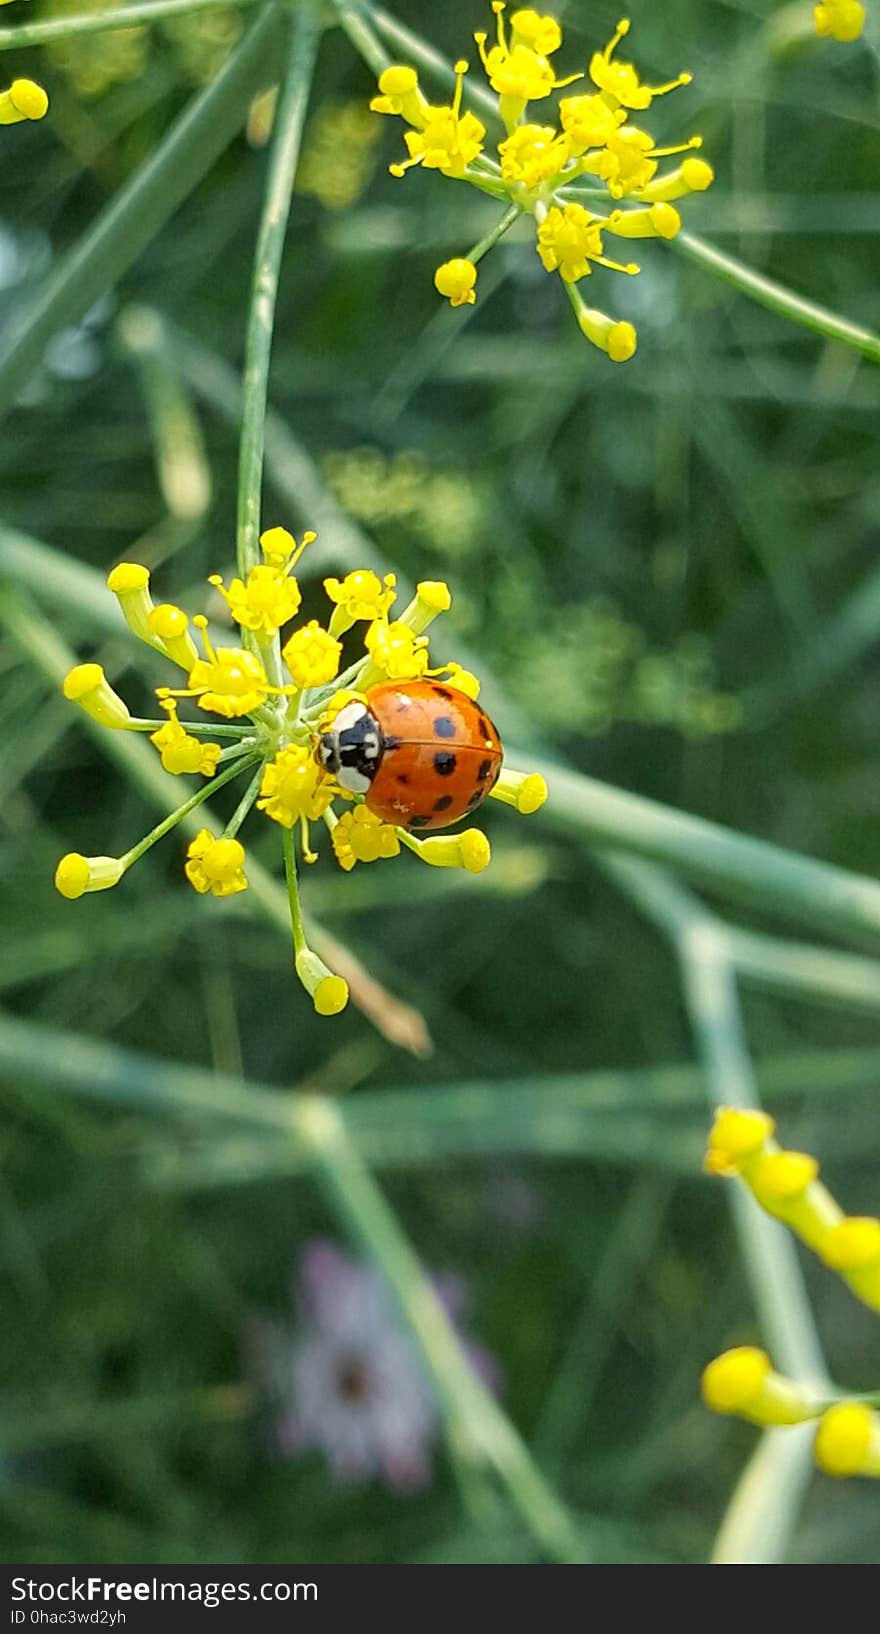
pixel 667 571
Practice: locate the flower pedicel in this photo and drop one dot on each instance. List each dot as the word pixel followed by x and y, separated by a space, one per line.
pixel 403 747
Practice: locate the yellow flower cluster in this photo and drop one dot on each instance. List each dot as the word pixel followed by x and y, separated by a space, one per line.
pixel 540 167
pixel 743 1381
pixel 277 694
pixel 786 1185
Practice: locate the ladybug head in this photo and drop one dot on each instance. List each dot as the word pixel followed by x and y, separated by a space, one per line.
pixel 351 749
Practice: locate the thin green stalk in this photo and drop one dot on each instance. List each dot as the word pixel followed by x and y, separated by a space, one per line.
pixel 475 1420
pixel 775 296
pixel 140 209
pixel 495 233
pixel 190 805
pixel 205 729
pixel 593 1115
pixel 281 172
pixel 244 804
pixel 367 45
pixel 820 974
pixel 746 869
pixel 300 943
pixel 103 22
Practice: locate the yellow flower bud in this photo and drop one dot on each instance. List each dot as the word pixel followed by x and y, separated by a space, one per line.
pixel 848 1440
pixel 840 19
pixel 655 221
pixel 215 865
pixel 88 686
pixel 470 850
pixel 527 791
pixel 785 1184
pixel 23 100
pixel 852 1248
pixel 130 583
pixel 743 1381
pixel 329 993
pixel 616 337
pixel 171 625
pixel 457 281
pixel 691 176
pixel 737 1134
pixel 76 874
pixel 312 655
pixel 432 598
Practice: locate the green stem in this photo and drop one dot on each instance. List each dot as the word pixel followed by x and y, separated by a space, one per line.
pixel 296 914
pixel 752 870
pixel 491 238
pixel 204 729
pixel 103 22
pixel 141 208
pixel 367 45
pixel 244 805
pixel 174 817
pixel 775 296
pixel 283 158
pixel 479 1428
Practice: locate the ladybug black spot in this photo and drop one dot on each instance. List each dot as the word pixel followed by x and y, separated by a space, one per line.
pixel 444 727
pixel 485 730
pixel 444 763
pixel 403 777
pixel 475 798
pixel 441 692
pixel 418 822
pixel 485 769
pixel 443 803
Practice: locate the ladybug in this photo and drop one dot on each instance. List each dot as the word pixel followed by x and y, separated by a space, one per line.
pixel 421 754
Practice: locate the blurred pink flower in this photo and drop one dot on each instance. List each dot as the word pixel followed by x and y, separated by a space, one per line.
pixel 350 1381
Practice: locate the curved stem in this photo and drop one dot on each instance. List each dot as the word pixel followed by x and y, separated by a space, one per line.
pixel 244 804
pixel 775 296
pixel 283 158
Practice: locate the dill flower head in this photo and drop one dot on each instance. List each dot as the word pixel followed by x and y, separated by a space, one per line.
pixel 553 173
pixel 391 747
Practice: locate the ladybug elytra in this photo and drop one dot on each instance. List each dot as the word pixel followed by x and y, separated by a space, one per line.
pixel 421 753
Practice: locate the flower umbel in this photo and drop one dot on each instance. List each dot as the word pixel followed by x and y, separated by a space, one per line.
pixel 539 165
pixel 279 708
